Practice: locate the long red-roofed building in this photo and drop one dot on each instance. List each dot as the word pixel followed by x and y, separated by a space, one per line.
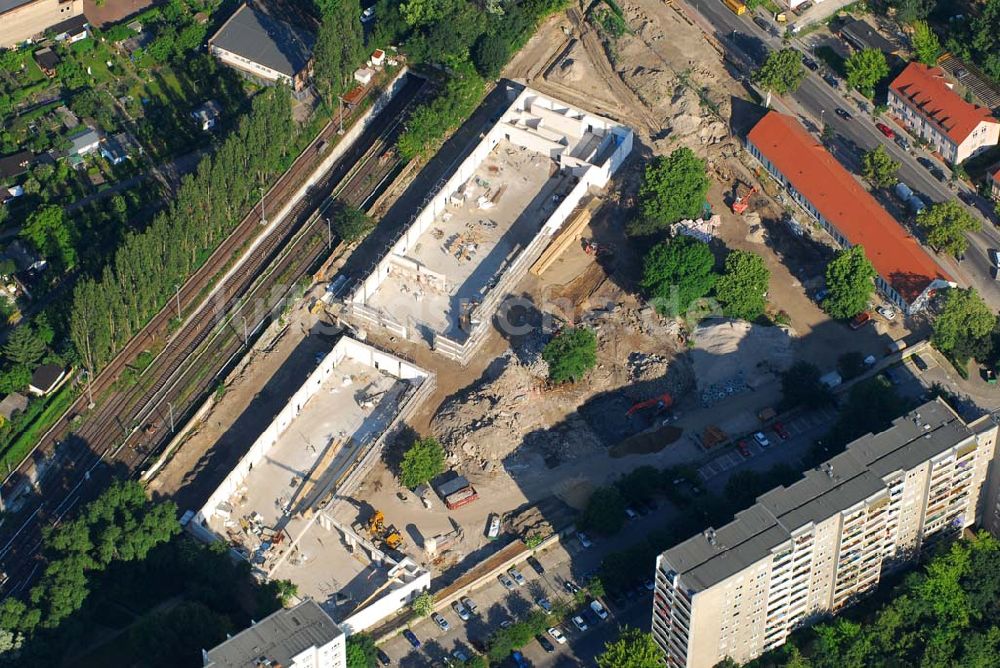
pixel 907 275
pixel 922 99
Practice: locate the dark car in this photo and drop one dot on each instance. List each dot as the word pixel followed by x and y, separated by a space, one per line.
pixel 743 447
pixel 537 565
pixel 926 163
pixel 571 586
pixel 843 113
pixel 544 642
pixel 937 174
pixel 408 634
pixel 383 658
pixel 780 430
pixel 810 63
pixel 832 80
pixel 919 362
pixel 762 23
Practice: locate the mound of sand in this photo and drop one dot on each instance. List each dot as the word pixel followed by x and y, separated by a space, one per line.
pixel 729 349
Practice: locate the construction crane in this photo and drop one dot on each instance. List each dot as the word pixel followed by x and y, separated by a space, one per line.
pixel 662 403
pixel 380 532
pixel 742 202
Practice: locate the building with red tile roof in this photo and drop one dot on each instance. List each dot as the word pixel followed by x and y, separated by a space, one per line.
pixel 907 275
pixel 996 185
pixel 923 100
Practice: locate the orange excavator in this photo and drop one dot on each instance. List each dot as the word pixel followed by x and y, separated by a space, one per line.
pixel 661 403
pixel 742 202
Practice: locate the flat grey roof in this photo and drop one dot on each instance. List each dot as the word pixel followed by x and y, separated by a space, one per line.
pixel 836 485
pixel 864 34
pixel 73 25
pixel 279 637
pixel 265 40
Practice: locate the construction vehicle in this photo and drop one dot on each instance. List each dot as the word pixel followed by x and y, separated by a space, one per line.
pixel 736 6
pixel 661 403
pixel 591 247
pixel 389 536
pixel 742 202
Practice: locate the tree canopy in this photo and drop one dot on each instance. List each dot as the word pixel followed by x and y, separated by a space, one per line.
pixel 23 346
pixel 865 69
pixel 49 233
pixel 570 354
pixel 350 223
pixel 800 386
pixel 605 511
pixel 677 272
pixel 964 315
pixel 632 649
pixel 849 282
pixel 429 123
pixel 742 288
pixel 782 72
pixel 361 651
pixel 926 45
pixel 422 461
pixel 879 168
pixel 673 188
pixel 947 224
pixel 339 49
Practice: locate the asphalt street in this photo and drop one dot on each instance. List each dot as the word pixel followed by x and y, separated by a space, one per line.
pixel 818 101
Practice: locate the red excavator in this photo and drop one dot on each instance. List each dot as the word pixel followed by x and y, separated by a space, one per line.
pixel 661 403
pixel 742 202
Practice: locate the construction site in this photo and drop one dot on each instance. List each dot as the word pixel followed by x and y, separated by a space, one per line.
pixel 442 280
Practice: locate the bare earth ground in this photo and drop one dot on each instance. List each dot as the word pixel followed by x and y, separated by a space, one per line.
pixel 518 440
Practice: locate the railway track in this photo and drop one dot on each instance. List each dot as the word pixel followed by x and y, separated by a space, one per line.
pixel 125 430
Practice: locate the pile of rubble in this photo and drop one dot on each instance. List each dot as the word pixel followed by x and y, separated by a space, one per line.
pixel 717 392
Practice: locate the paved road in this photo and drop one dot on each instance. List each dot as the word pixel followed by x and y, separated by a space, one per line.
pixel 819 100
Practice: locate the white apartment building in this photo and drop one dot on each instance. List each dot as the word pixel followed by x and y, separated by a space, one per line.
pixel 922 99
pixel 808 550
pixel 22 20
pixel 299 637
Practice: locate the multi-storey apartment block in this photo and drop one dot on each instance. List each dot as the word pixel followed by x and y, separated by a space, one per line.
pixel 923 100
pixel 25 19
pixel 810 549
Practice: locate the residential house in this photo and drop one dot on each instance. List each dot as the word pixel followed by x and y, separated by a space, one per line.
pixel 113 151
pixel 14 165
pixel 72 30
pixel 84 142
pixel 207 115
pixel 24 20
pixel 907 275
pixel 995 183
pixel 46 378
pixel 922 99
pixel 265 49
pixel 47 61
pixel 13 404
pixel 299 637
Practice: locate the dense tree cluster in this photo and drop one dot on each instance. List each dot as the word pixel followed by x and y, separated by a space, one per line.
pixel 947 224
pixel 340 46
pixel 570 354
pixel 742 288
pixel 865 69
pixel 673 188
pixel 108 310
pixel 632 649
pixel 782 72
pixel 944 615
pixel 676 273
pixel 850 283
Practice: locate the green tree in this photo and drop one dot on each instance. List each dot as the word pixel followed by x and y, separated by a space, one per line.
pixel 595 587
pixel 964 314
pixel 851 365
pixel 908 11
pixel 849 282
pixel 339 48
pixel 879 168
pixel 925 43
pixel 361 651
pixel 422 605
pixel 570 354
pixel 350 223
pixel 675 273
pixel 673 188
pixel 422 461
pixel 605 511
pixel 865 69
pixel 48 231
pixel 800 386
pixel 14 378
pixel 947 224
pixel 871 407
pixel 430 122
pixel 633 649
pixel 782 72
pixel 742 288
pixel 23 346
pixel 490 54
pixel 174 637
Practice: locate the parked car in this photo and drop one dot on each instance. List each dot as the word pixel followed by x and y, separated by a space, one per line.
pixel 506 624
pixel 368 15
pixel 926 163
pixel 810 63
pixel 408 634
pixel 938 174
pixel 902 142
pixel 831 80
pixel 544 642
pixel 579 623
pixel 557 635
pixel 599 609
pixel 743 447
pixel 383 658
pixel 536 565
pixel 780 430
pixel 886 130
pixel 919 362
pixel 505 581
pixel 544 603
pixel 887 312
pixel 861 319
pixel 469 604
pixel 762 23
pixel 516 576
pixel 461 611
pixel 571 586
pixel 843 113
pixel 584 539
pixel 441 622
pixel 630 513
pixel 761 439
pixel 995 257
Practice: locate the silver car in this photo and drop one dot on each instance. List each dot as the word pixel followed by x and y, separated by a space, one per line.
pixel 518 578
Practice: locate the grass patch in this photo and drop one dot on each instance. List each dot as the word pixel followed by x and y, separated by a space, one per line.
pixel 22 444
